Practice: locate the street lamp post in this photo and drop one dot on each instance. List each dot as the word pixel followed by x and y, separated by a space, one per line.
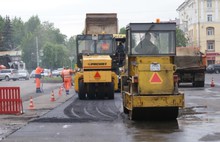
pixel 71 60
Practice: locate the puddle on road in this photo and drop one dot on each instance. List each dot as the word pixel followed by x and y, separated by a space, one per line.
pixel 211 137
pixel 193 125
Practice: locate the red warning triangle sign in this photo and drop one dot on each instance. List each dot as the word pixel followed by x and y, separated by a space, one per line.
pixel 156 79
pixel 97 75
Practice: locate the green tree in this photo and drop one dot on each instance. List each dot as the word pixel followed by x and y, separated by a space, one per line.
pixel 28 46
pixel 45 33
pixel 51 34
pixel 181 40
pixel 55 56
pixel 55 46
pixel 7 35
pixel 28 43
pixel 1 27
pixel 71 46
pixel 32 24
pixel 18 31
pixel 2 22
pixel 122 30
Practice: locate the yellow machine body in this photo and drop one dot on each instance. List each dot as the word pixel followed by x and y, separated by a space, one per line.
pixel 153 82
pixel 97 62
pixel 149 86
pixel 96 69
pixel 151 89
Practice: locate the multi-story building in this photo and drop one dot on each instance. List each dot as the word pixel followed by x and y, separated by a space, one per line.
pixel 200 20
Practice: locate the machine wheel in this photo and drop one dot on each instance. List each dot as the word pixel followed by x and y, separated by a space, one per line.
pixel 81 93
pixel 125 110
pixel 202 84
pixel 91 91
pixel 194 84
pixel 110 92
pixel 131 115
pixel 7 78
pixel 199 84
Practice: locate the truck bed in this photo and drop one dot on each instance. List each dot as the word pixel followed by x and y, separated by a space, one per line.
pixel 98 23
pixel 188 62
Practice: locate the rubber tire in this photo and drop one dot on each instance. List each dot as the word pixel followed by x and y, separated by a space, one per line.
pixel 125 110
pixel 111 91
pixel 7 78
pixel 81 93
pixel 91 91
pixel 199 84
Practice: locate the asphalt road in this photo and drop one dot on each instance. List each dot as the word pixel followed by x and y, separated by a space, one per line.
pixel 98 121
pixel 28 87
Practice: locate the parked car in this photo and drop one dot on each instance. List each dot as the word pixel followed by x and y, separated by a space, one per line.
pixel 23 74
pixel 45 73
pixel 57 72
pixel 9 74
pixel 213 68
pixel 32 74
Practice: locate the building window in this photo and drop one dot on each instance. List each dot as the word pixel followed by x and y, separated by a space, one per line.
pixel 209 17
pixel 210 31
pixel 210 45
pixel 209 3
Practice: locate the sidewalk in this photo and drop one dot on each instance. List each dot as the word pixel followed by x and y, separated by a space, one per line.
pixel 42 105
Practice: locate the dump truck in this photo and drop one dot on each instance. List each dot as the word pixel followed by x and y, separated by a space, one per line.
pixel 191 66
pixel 149 87
pixel 97 60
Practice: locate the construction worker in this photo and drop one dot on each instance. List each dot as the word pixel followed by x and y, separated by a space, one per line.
pixel 38 72
pixel 67 78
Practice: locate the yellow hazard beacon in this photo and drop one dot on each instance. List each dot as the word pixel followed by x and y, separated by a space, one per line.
pixel 149 87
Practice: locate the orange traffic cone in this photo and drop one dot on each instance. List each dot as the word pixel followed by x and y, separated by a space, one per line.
pixel 52 98
pixel 212 83
pixel 60 92
pixel 31 105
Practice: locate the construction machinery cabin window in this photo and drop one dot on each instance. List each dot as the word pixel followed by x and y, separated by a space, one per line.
pixel 153 43
pixel 102 44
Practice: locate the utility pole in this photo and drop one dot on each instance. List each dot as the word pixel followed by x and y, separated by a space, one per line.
pixel 37 53
pixel 71 61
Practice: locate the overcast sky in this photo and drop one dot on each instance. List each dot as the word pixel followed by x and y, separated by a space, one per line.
pixel 69 15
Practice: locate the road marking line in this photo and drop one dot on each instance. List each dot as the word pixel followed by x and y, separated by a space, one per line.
pixel 112 111
pixel 75 113
pixel 86 112
pixel 103 113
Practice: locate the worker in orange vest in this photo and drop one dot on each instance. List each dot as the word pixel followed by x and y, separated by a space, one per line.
pixel 67 78
pixel 38 72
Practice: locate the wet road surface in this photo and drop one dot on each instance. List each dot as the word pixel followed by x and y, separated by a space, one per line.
pixel 98 121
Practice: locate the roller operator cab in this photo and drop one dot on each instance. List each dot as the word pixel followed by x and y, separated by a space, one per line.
pixel 98 65
pixel 149 87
